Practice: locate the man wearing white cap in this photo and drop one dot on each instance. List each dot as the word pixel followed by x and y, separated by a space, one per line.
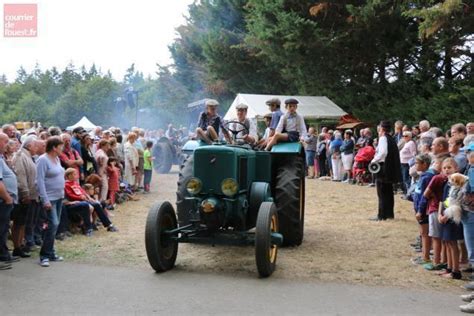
pixel 247 134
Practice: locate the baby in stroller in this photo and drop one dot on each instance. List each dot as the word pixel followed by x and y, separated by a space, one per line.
pixel 360 169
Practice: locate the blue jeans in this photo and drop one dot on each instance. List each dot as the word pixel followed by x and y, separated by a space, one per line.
pixel 33 226
pixel 52 219
pixel 99 210
pixel 405 177
pixel 5 212
pixel 467 220
pixel 81 209
pixel 147 176
pixel 310 155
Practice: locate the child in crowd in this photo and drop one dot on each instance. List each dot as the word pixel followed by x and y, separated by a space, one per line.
pixel 433 194
pixel 113 173
pixel 467 206
pixel 420 203
pixel 148 166
pixel 92 191
pixel 451 232
pixel 74 192
pixel 291 127
pixel 470 165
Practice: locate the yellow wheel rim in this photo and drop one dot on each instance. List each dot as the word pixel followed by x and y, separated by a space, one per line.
pixel 273 247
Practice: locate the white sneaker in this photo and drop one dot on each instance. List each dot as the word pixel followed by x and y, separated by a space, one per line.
pixel 468 297
pixel 468 308
pixel 44 262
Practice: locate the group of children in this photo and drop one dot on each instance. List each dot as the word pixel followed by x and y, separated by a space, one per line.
pixel 79 198
pixel 442 201
pixel 288 127
pixel 117 190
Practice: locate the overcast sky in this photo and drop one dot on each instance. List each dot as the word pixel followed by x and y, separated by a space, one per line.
pixel 111 34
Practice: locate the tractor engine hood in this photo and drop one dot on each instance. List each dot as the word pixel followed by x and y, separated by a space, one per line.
pixel 213 164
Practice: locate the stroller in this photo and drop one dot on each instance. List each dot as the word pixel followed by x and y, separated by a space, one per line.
pixel 360 169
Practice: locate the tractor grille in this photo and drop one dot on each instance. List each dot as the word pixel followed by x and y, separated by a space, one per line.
pixel 243 171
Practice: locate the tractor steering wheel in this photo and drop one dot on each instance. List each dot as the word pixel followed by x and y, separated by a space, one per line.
pixel 235 132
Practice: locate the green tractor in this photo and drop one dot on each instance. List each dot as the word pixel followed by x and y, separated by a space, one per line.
pixel 232 195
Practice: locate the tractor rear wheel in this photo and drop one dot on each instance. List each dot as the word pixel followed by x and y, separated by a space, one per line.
pixel 161 249
pixel 182 206
pixel 290 196
pixel 265 251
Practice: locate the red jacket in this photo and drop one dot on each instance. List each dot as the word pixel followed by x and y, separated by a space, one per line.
pixel 74 191
pixel 67 155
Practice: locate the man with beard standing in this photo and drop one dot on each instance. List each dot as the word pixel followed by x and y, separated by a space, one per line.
pixel 388 157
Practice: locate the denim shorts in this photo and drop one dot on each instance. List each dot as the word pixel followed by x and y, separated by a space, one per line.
pixel 434 226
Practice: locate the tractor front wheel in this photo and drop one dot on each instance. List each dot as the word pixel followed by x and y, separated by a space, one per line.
pixel 161 249
pixel 265 251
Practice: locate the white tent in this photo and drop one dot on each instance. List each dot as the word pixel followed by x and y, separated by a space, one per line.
pixel 84 123
pixel 310 107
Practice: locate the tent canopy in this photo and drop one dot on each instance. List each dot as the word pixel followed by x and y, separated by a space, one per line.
pixel 84 123
pixel 309 106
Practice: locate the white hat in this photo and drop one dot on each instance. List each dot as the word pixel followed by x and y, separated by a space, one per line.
pixel 242 106
pixel 212 102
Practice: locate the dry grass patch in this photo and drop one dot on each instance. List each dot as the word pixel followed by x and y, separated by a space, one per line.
pixel 340 244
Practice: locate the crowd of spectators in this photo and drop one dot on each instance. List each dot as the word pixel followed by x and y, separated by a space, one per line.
pixel 437 176
pixel 54 183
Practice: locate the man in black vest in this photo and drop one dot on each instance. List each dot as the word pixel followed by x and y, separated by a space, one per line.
pixel 388 157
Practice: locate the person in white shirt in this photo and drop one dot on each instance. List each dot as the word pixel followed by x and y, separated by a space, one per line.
pixel 247 134
pixel 388 157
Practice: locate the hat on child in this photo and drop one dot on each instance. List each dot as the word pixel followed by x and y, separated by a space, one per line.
pixel 242 106
pixel 273 101
pixel 291 101
pixel 212 102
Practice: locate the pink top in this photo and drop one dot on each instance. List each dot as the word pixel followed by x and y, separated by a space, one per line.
pixel 101 158
pixel 408 152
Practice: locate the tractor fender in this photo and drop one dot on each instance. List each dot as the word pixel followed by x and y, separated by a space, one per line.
pixel 189 147
pixel 288 148
pixel 259 192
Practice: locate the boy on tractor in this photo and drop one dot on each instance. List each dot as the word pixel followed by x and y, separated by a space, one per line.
pixel 291 127
pixel 210 123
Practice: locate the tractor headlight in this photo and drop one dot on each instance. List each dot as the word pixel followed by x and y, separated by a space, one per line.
pixel 194 186
pixel 229 187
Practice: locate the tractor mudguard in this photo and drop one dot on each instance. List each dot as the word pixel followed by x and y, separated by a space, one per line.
pixel 189 147
pixel 259 192
pixel 287 148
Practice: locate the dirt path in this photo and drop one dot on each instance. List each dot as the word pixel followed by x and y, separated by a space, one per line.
pixel 340 244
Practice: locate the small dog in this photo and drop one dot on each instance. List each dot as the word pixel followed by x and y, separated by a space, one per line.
pixel 454 211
